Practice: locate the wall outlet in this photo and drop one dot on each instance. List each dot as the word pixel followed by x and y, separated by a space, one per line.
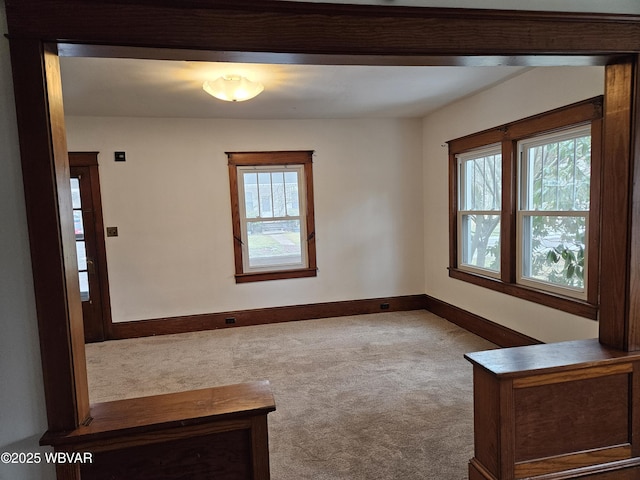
pixel 229 320
pixel 384 306
pixel 112 231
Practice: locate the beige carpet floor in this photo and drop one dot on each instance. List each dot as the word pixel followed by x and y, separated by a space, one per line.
pixel 385 396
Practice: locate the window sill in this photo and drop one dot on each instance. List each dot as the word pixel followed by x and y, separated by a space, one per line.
pixel 276 275
pixel 566 304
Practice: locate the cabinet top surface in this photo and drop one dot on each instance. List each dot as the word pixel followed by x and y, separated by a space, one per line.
pixel 522 361
pixel 174 409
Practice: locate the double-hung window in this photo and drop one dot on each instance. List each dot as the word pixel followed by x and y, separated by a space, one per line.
pixel 272 214
pixel 553 215
pixel 480 204
pixel 524 203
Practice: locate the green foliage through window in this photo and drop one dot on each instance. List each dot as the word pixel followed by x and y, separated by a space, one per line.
pixel 555 184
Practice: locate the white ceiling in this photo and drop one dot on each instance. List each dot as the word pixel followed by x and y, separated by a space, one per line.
pixel 159 88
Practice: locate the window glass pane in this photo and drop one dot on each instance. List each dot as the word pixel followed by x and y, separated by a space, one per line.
pixel 264 185
pixel 481 183
pixel 277 188
pixel 274 243
pixel 82 255
pixel 554 249
pixel 250 181
pixel 481 241
pixel 557 175
pixel 78 225
pixel 293 202
pixel 84 286
pixel 75 193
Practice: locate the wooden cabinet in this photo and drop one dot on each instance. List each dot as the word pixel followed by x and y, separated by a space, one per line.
pixel 556 411
pixel 216 433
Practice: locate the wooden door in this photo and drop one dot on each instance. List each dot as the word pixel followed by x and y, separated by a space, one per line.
pixel 90 247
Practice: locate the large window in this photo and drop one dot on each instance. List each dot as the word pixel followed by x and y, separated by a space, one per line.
pixel 524 207
pixel 272 211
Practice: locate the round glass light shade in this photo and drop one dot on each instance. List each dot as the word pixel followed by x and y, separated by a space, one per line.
pixel 232 88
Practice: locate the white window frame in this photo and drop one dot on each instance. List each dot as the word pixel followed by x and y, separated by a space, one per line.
pixel 523 192
pixel 244 221
pixel 495 149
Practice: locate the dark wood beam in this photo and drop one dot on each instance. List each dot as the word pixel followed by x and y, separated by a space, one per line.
pixel 324 29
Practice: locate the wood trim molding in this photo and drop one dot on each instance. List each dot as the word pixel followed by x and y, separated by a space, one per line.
pixel 616 298
pixel 491 331
pixel 213 321
pixel 275 275
pixel 280 157
pixel 324 28
pixel 47 192
pixel 549 121
pixel 569 305
pixel 83 159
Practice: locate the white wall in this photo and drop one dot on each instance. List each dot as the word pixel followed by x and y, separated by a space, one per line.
pixel 532 92
pixel 22 410
pixel 171 203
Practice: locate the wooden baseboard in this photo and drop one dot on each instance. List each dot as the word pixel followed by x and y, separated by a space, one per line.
pixel 491 331
pixel 212 321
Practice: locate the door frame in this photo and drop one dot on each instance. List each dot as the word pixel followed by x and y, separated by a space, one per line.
pixel 306 33
pixel 89 160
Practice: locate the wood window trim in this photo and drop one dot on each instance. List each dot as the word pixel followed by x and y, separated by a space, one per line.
pixel 297 157
pixel 588 111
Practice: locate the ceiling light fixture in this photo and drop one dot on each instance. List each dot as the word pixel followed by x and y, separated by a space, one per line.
pixel 232 88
